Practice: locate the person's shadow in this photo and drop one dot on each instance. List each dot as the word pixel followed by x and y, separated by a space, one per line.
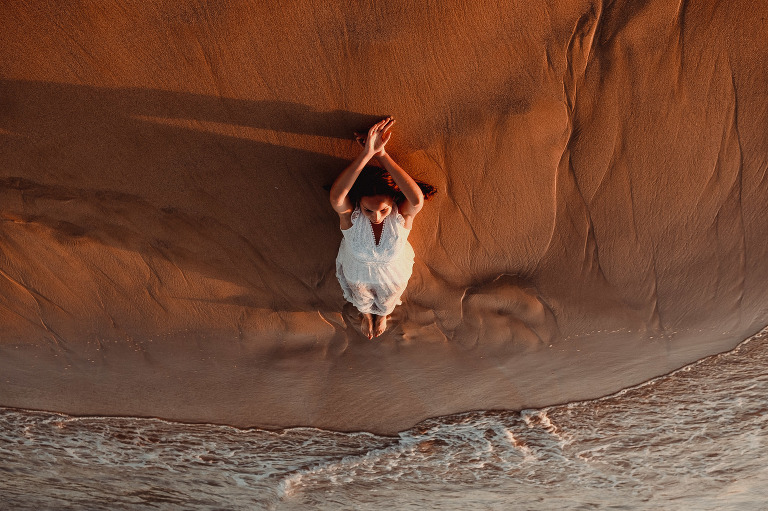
pixel 229 189
pixel 217 201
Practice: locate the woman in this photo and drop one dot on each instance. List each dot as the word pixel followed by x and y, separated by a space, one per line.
pixel 376 209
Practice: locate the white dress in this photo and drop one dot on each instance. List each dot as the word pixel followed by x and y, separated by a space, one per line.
pixel 373 277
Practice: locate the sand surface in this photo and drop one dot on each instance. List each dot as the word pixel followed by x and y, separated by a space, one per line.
pixel 167 247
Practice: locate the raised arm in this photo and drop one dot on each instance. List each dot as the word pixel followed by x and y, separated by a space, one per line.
pixel 340 190
pixel 413 194
pixel 377 138
pixel 414 198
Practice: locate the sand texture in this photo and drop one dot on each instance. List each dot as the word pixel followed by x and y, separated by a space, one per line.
pixel 167 247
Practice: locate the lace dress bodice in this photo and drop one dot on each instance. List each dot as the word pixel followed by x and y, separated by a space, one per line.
pixel 361 242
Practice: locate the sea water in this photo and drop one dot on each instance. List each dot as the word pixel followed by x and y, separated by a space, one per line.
pixel 695 439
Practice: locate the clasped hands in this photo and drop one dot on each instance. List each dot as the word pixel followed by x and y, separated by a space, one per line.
pixel 377 138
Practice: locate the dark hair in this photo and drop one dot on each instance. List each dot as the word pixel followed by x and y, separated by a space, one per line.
pixel 377 181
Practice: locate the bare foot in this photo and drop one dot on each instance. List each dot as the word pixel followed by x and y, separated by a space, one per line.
pixel 379 325
pixel 367 325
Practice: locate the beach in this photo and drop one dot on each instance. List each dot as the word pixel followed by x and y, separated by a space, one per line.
pixel 167 247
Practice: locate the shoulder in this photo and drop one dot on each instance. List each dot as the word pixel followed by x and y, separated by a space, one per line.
pixel 405 215
pixel 348 218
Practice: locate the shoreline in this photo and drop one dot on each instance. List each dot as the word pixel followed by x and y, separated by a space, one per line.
pixel 761 334
pixel 335 417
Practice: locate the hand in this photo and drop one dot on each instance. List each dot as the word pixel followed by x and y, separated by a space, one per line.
pixel 378 136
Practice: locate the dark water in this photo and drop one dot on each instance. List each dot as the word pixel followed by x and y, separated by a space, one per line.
pixel 694 439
